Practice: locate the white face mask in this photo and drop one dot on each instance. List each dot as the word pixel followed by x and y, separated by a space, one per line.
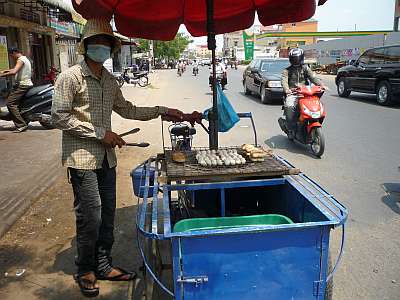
pixel 98 53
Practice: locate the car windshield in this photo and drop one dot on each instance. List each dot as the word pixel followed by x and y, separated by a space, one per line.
pixel 274 66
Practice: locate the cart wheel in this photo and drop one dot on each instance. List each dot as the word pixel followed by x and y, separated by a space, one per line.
pixel 329 285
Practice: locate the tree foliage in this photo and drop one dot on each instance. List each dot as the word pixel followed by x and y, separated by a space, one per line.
pixel 168 50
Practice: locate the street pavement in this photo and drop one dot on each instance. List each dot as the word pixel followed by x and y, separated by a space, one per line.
pixel 359 167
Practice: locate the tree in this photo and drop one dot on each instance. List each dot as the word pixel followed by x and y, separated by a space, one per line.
pixel 168 50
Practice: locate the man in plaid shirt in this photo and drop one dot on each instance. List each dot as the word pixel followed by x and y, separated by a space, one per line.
pixel 85 96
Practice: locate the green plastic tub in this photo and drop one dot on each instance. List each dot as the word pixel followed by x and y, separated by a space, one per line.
pixel 230 222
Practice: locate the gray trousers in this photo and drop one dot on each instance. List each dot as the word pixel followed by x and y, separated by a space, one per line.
pixel 95 200
pixel 12 103
pixel 291 111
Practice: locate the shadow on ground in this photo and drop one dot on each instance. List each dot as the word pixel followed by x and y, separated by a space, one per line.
pixel 364 98
pixel 392 197
pixel 124 253
pixel 282 142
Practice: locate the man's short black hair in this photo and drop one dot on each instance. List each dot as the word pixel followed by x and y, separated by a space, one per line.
pixel 13 50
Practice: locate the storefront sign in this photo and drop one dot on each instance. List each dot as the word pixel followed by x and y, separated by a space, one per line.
pixel 4 63
pixel 67 28
pixel 248 41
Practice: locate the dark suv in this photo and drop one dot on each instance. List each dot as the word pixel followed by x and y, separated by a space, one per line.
pixel 377 71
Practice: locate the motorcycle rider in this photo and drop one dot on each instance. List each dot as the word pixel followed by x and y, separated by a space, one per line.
pixel 23 82
pixel 297 74
pixel 180 66
pixel 195 67
pixel 220 70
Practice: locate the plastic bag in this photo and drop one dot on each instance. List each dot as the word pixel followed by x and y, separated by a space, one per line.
pixel 227 116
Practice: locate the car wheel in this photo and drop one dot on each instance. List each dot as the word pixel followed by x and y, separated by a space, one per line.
pixel 245 89
pixel 384 93
pixel 265 99
pixel 341 88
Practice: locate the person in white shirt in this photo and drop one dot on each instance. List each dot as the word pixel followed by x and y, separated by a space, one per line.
pixel 23 74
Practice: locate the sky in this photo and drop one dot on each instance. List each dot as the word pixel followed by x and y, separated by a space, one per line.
pixel 345 15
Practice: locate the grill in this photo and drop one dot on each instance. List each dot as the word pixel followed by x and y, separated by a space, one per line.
pixel 191 170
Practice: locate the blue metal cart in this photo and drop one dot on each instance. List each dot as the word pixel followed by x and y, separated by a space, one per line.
pixel 287 261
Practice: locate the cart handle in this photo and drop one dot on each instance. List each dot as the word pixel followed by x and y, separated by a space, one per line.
pixel 249 115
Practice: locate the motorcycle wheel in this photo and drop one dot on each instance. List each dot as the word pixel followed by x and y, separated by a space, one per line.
pixel 143 81
pixel 317 142
pixel 47 124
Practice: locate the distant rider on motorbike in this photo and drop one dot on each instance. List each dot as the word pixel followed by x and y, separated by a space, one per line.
pixel 180 67
pixel 195 67
pixel 220 71
pixel 297 74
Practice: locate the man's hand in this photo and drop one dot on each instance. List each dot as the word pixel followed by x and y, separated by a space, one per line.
pixel 173 115
pixel 194 117
pixel 324 87
pixel 111 140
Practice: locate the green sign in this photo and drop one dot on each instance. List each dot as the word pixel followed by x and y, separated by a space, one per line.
pixel 248 41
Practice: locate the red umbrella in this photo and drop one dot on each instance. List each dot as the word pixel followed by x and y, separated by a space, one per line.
pixel 160 20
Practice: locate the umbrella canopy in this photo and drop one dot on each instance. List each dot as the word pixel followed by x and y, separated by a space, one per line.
pixel 160 19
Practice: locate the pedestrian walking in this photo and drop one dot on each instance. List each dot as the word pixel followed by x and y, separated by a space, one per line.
pixel 23 82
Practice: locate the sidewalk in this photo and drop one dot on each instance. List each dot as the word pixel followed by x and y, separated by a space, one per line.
pixel 42 243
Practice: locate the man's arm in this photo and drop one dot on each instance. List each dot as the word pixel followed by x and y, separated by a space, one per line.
pixel 129 111
pixel 310 74
pixel 61 112
pixel 14 70
pixel 285 81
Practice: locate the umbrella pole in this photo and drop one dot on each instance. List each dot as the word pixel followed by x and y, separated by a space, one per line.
pixel 212 44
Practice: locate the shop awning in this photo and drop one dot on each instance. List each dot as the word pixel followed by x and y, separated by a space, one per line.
pixel 67 6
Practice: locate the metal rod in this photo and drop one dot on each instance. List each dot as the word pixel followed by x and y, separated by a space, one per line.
pixel 213 117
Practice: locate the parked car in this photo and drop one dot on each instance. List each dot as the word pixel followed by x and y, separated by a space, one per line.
pixel 263 77
pixel 206 62
pixel 377 71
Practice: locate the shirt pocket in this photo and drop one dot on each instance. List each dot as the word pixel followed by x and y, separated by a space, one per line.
pixel 89 102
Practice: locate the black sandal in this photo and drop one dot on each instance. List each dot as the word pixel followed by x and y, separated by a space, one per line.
pixel 83 282
pixel 131 275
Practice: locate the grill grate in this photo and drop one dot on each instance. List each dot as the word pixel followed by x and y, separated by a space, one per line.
pixel 191 170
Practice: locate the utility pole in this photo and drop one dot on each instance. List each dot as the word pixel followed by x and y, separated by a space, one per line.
pixel 396 16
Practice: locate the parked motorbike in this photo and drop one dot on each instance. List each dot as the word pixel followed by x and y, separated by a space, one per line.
pixel 51 76
pixel 35 106
pixel 140 78
pixel 311 117
pixel 195 71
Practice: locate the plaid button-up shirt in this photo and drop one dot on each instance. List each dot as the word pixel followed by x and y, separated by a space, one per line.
pixel 82 107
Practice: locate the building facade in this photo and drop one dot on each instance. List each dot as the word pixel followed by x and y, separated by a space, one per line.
pixel 23 24
pixel 202 51
pixel 310 25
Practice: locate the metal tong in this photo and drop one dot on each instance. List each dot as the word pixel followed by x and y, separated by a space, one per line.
pixel 134 130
